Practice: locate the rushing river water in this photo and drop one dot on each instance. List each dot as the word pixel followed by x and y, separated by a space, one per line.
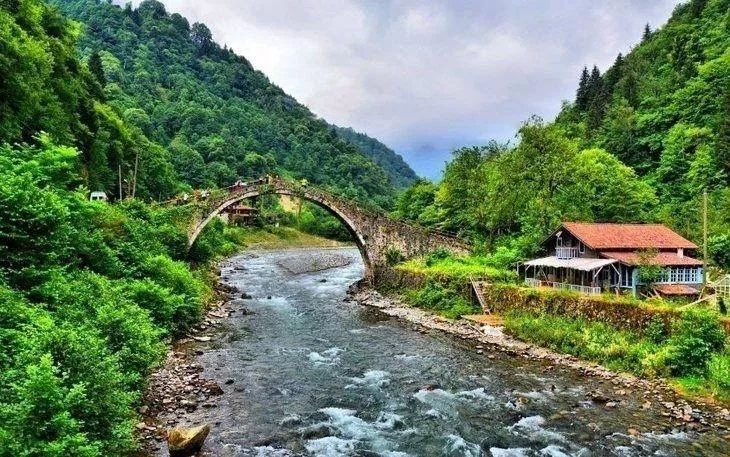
pixel 309 373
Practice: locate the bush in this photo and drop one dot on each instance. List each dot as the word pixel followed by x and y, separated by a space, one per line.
pixel 447 302
pixel 696 336
pixel 436 256
pixel 178 277
pixel 393 256
pixel 169 311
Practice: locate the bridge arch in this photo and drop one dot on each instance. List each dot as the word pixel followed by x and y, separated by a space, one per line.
pixel 335 210
pixel 375 233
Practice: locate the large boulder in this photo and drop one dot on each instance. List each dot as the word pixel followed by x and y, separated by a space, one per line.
pixel 183 441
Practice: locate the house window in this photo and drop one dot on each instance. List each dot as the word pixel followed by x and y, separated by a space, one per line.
pixel 581 248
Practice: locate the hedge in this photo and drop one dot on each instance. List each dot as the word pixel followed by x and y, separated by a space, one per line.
pixel 616 312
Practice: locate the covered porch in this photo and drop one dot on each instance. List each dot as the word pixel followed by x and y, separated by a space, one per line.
pixel 579 274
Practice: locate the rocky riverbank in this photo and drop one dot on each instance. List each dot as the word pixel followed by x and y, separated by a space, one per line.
pixel 680 412
pixel 178 388
pixel 310 262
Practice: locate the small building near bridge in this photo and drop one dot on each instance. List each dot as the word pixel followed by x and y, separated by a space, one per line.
pixel 595 257
pixel 239 214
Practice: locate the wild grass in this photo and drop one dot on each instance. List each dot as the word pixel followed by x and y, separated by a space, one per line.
pixel 693 357
pixel 441 300
pixel 460 267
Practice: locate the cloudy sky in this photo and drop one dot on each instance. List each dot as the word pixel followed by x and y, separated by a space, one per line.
pixel 427 77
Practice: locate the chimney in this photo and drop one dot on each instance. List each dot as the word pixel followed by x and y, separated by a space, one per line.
pixel 680 252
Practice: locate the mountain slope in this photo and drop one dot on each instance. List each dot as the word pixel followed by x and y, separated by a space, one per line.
pixel 218 117
pixel 664 109
pixel 400 172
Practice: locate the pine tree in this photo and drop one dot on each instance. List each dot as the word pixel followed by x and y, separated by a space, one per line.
pixel 598 100
pixel 581 95
pixel 97 69
pixel 615 73
pixel 647 33
pixel 595 84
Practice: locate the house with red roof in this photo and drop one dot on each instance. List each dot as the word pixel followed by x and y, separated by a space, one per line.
pixel 595 257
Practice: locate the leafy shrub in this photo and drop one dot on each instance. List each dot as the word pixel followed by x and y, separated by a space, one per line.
pixel 437 255
pixel 447 302
pixel 656 330
pixel 696 336
pixel 178 277
pixel 721 306
pixel 169 311
pixel 393 256
pixel 718 371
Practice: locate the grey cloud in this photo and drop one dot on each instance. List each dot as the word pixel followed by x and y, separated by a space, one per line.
pixel 425 77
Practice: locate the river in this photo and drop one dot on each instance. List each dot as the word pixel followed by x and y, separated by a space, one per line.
pixel 308 372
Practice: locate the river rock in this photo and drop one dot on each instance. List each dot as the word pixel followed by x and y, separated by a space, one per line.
pixel 182 441
pixel 246 296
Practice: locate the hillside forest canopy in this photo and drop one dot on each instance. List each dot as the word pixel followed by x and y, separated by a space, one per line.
pixel 641 142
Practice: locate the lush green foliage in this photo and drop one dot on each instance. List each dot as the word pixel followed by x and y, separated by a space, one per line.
pixel 446 302
pixel 441 264
pixel 208 114
pixel 641 142
pixel 694 347
pixel 87 293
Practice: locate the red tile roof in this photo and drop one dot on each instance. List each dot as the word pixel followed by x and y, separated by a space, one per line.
pixel 662 258
pixel 675 289
pixel 603 236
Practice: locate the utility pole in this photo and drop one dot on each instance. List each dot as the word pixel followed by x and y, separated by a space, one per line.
pixel 704 237
pixel 119 174
pixel 134 178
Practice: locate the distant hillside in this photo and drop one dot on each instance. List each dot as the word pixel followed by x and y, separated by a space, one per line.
pixel 217 117
pixel 400 172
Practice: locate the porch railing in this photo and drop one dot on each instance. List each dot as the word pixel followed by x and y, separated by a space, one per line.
pixel 590 290
pixel 566 253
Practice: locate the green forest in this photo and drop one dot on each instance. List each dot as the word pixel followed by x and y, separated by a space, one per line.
pixel 155 103
pixel 143 106
pixel 641 142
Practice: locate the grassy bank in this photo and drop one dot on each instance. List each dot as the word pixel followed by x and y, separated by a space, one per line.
pixel 694 355
pixel 688 348
pixel 445 266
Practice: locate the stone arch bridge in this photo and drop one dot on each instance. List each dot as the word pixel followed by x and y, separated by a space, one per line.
pixel 373 232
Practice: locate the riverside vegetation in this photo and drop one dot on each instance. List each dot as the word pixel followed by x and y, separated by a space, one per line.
pixel 91 292
pixel 641 142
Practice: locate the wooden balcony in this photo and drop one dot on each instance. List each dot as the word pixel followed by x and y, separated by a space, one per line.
pixel 588 290
pixel 566 253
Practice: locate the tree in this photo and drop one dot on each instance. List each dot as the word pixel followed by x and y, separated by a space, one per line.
pixel 582 95
pixel 647 33
pixel 202 38
pixel 615 73
pixel 97 69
